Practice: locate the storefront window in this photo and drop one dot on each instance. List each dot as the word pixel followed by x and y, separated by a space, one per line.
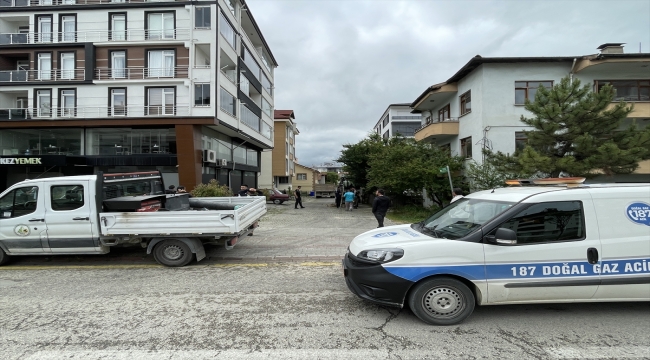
pixel 127 141
pixel 41 142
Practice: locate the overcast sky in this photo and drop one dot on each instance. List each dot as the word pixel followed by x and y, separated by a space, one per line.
pixel 342 62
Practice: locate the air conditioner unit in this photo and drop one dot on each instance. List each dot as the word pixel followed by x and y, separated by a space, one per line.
pixel 223 162
pixel 209 156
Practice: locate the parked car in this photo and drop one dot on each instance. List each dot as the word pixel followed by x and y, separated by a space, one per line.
pixel 277 197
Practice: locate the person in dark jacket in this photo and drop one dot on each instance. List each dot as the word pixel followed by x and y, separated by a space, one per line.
pixel 337 197
pixel 299 197
pixel 243 190
pixel 380 206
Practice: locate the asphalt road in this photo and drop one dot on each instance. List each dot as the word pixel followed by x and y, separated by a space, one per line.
pixel 257 302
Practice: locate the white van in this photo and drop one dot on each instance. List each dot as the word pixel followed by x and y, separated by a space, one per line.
pixel 510 246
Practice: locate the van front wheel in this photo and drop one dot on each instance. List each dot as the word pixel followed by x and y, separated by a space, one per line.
pixel 172 253
pixel 442 301
pixel 3 257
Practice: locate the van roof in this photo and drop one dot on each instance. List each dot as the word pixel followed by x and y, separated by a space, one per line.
pixel 519 193
pixel 71 178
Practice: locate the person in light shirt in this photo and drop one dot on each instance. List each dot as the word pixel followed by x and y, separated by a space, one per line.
pixel 457 194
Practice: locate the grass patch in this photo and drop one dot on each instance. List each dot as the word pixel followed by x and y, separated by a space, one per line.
pixel 410 214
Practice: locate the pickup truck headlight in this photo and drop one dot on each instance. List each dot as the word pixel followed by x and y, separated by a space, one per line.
pixel 381 255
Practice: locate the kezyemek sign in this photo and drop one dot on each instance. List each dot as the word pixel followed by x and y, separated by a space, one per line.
pixel 639 213
pixel 20 161
pixel 45 160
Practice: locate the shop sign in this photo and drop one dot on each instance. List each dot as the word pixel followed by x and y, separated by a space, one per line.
pixel 45 160
pixel 20 161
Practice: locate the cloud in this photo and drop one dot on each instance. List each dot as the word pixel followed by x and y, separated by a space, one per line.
pixel 342 62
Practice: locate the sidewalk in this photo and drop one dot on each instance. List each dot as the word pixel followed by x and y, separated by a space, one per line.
pixel 316 233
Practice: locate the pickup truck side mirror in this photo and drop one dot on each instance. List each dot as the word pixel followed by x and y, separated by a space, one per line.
pixel 503 236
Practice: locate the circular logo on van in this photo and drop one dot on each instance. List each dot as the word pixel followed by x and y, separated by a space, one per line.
pixel 386 234
pixel 22 230
pixel 639 213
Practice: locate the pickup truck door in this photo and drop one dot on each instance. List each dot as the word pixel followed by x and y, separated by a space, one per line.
pixel 69 217
pixel 554 258
pixel 22 220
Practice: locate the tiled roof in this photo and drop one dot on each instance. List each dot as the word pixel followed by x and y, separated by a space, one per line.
pixel 283 114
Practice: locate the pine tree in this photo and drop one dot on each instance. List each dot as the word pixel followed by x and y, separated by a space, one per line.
pixel 576 134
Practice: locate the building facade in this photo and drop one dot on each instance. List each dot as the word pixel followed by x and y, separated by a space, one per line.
pixel 480 106
pixel 306 177
pixel 398 120
pixel 185 87
pixel 284 151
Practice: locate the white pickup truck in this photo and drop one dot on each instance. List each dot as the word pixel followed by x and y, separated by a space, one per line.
pixel 90 214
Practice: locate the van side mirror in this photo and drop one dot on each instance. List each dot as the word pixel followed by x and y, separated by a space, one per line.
pixel 503 236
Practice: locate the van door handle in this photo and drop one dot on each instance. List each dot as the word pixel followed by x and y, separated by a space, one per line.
pixel 36 220
pixel 592 255
pixel 81 218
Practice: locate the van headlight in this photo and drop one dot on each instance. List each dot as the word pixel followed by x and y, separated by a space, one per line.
pixel 381 255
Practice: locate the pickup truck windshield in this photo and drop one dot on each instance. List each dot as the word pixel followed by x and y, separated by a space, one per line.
pixel 132 188
pixel 461 218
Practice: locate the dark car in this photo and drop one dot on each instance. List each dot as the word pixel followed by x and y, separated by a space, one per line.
pixel 277 197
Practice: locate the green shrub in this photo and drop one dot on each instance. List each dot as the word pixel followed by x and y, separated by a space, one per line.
pixel 408 214
pixel 211 189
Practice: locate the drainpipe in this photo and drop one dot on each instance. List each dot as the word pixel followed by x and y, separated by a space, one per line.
pixel 571 73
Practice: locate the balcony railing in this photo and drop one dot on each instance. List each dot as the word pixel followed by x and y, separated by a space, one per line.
pixel 20 3
pixel 95 36
pixel 42 75
pixel 436 121
pixel 141 73
pixel 93 112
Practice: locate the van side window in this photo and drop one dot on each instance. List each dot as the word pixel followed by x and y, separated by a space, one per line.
pixel 548 222
pixel 19 202
pixel 66 197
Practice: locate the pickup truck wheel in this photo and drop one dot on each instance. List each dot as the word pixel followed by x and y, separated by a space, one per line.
pixel 3 257
pixel 277 202
pixel 442 301
pixel 173 253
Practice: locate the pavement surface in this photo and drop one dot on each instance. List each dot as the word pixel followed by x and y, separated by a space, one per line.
pixel 279 294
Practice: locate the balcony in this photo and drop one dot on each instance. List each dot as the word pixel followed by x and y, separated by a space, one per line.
pixel 179 72
pixel 93 112
pixel 437 130
pixel 95 36
pixel 13 76
pixel 22 3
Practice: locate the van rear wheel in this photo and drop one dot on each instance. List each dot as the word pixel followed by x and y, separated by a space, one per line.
pixel 174 253
pixel 442 301
pixel 3 257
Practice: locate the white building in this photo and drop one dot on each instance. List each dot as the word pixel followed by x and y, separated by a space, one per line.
pixel 398 119
pixel 480 106
pixel 185 87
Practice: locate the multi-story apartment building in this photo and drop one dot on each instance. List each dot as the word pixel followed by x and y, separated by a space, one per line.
pixel 284 151
pixel 398 119
pixel 185 87
pixel 480 106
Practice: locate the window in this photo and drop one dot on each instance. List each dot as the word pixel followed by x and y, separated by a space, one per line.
pixel 628 90
pixel 44 66
pixel 466 103
pixel 161 26
pixel 231 5
pixel 202 95
pixel 160 101
pixel 226 30
pixel 118 64
pixel 385 120
pixel 202 17
pixel 386 135
pixel 405 128
pixel 68 28
pixel 251 63
pixel 19 202
pixel 249 118
pixel 283 179
pixel 548 222
pixel 266 84
pixel 227 102
pixel 44 103
pixel 520 140
pixel 443 114
pixel 161 63
pixel 44 28
pixel 118 27
pixel 266 130
pixel 251 157
pixel 66 197
pixel 466 147
pixel 67 66
pixel 67 99
pixel 244 84
pixel 301 176
pixel 527 90
pixel 266 107
pixel 446 148
pixel 406 117
pixel 118 102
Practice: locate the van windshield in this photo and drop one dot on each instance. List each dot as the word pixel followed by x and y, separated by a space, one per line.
pixel 461 218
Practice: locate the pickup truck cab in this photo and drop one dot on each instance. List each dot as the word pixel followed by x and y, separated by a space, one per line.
pixel 90 214
pixel 510 246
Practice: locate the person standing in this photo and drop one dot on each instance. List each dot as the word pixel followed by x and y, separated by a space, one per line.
pixel 243 190
pixel 380 206
pixel 298 198
pixel 349 199
pixel 456 194
pixel 337 197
